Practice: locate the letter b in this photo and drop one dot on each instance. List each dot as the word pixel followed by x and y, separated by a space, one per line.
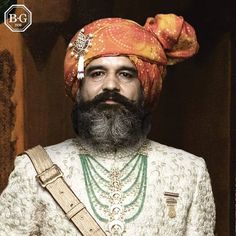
pixel 13 18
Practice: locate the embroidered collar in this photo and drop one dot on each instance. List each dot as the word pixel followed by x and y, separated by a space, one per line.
pixel 121 153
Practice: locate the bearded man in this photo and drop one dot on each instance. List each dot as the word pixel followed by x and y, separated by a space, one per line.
pixel 128 184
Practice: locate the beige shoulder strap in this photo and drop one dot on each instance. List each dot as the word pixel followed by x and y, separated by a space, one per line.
pixel 51 178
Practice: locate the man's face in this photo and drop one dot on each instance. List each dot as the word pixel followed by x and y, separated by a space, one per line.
pixel 116 73
pixel 110 111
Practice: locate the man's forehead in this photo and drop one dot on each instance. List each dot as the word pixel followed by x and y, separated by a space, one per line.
pixel 111 61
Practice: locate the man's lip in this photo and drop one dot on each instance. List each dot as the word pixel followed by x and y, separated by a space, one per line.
pixel 110 101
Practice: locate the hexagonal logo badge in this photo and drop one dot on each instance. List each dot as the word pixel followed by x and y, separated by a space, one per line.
pixel 18 18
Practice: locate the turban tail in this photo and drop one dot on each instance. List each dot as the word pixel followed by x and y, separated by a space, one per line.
pixel 164 40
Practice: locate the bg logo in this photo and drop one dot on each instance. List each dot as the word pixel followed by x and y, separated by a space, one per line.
pixel 18 18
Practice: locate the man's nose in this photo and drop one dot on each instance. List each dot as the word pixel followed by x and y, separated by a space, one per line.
pixel 111 82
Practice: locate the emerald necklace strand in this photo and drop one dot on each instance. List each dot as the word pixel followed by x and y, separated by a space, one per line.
pixel 116 195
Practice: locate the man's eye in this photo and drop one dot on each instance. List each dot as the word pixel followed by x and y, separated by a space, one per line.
pixel 96 74
pixel 127 75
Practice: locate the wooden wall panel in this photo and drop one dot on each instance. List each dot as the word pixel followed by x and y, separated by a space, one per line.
pixel 233 122
pixel 49 11
pixel 12 102
pixel 47 110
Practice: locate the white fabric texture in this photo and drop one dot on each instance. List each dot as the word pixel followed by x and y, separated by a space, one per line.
pixel 27 209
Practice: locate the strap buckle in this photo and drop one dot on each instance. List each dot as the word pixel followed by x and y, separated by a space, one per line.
pixel 49 175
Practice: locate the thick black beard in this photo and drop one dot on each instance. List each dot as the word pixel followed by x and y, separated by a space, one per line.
pixel 110 126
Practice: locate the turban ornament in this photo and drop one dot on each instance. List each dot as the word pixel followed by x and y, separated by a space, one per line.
pixel 165 39
pixel 78 48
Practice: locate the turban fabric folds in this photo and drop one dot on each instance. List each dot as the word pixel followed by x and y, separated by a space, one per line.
pixel 165 39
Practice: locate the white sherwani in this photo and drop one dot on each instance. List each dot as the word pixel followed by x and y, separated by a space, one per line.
pixel 27 209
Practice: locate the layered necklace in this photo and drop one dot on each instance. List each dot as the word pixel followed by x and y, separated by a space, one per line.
pixel 116 194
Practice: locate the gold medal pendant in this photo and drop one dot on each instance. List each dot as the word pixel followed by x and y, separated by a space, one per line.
pixel 171 201
pixel 171 211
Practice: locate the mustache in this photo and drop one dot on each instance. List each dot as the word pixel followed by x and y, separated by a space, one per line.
pixel 111 95
pixel 101 98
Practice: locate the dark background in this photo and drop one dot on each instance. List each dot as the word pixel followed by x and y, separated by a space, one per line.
pixel 196 111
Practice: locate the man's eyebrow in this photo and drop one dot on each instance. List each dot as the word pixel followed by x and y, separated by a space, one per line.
pixel 129 68
pixel 89 69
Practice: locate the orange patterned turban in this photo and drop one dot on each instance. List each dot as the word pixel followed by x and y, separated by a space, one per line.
pixel 164 40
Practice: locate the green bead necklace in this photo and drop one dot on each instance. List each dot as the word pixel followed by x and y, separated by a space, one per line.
pixel 116 195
